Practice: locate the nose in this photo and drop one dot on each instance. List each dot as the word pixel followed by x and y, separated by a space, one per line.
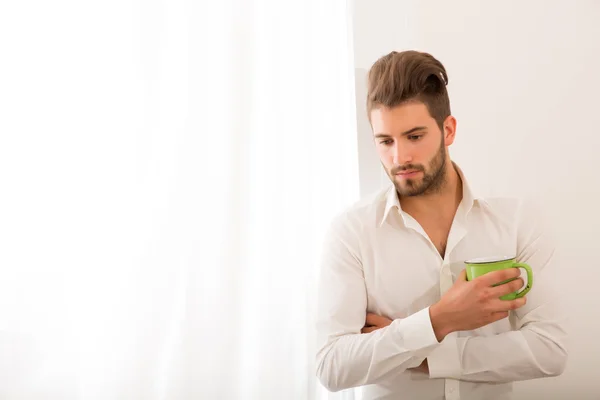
pixel 402 155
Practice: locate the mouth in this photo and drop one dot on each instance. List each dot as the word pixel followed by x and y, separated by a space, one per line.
pixel 408 174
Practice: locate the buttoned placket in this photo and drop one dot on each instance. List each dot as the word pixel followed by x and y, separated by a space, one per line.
pixel 456 234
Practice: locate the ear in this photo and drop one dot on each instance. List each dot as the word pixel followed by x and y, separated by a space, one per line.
pixel 449 130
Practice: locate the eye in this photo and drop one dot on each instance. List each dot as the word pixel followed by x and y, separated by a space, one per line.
pixel 414 138
pixel 387 142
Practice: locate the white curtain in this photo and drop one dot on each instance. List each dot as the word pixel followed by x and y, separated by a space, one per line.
pixel 168 169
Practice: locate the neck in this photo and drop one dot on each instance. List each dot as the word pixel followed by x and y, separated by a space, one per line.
pixel 443 201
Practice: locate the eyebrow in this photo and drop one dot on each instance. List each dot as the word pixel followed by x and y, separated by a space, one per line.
pixel 408 132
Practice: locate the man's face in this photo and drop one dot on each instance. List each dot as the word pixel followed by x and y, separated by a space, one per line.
pixel 411 147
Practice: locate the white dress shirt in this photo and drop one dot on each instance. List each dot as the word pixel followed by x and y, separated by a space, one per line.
pixel 377 258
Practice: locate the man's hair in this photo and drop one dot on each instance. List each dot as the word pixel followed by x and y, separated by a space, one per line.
pixel 408 76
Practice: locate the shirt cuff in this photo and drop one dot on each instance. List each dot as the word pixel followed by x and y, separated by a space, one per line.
pixel 417 331
pixel 444 360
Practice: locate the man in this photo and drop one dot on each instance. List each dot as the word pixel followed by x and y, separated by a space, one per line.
pixel 396 312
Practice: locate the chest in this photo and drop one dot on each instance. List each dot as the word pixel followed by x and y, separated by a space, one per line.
pixel 437 231
pixel 404 273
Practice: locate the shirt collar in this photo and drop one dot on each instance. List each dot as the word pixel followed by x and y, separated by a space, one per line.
pixel 468 200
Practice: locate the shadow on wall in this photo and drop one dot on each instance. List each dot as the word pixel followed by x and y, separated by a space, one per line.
pixel 371 176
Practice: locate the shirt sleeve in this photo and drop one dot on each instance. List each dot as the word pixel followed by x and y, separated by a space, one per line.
pixel 537 345
pixel 346 358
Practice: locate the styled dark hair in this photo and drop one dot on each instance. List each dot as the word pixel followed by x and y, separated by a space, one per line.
pixel 408 76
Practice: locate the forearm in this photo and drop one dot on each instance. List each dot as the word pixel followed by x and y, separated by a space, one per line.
pixel 358 359
pixel 528 353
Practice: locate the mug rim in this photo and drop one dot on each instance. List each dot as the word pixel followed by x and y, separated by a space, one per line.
pixel 489 259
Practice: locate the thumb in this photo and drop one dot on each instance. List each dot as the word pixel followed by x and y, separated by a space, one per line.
pixel 462 277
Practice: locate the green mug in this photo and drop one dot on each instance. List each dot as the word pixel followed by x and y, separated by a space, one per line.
pixel 481 266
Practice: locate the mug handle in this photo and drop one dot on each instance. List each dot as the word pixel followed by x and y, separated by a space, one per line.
pixel 529 278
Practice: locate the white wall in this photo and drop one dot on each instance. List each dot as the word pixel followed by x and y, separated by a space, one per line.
pixel 379 27
pixel 525 87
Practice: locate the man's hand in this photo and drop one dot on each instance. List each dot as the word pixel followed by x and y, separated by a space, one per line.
pixel 472 304
pixel 424 367
pixel 374 322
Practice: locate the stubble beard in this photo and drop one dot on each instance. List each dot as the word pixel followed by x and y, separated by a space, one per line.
pixel 433 180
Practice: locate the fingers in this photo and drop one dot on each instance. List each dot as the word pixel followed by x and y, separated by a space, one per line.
pixel 377 320
pixel 497 316
pixel 508 305
pixel 368 329
pixel 374 322
pixel 496 277
pixel 506 288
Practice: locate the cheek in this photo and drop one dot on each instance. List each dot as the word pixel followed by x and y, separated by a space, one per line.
pixel 385 155
pixel 429 150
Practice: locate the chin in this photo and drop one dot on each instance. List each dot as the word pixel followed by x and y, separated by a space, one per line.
pixel 408 184
pixel 408 188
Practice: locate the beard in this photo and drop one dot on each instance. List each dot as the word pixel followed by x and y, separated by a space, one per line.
pixel 431 181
